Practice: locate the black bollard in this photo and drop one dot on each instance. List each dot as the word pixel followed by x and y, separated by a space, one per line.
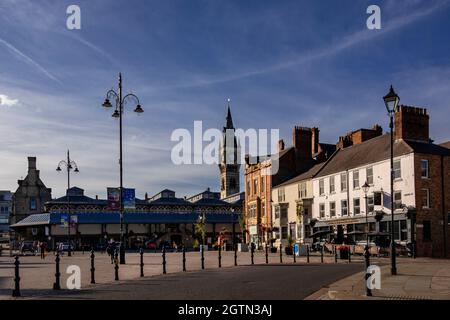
pixel 293 253
pixel 335 255
pixel 281 253
pixel 267 254
pixel 252 251
pixel 141 252
pixel 349 254
pixel 220 257
pixel 307 254
pixel 235 255
pixel 56 285
pixel 202 257
pixel 92 267
pixel 164 259
pixel 367 275
pixel 116 265
pixel 184 259
pixel 16 291
pixel 321 254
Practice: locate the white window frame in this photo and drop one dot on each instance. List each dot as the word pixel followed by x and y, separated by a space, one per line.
pixel 346 207
pixel 322 210
pixel 359 206
pixel 332 210
pixel 397 171
pixel 355 186
pixel 427 168
pixel 332 185
pixel 344 182
pixel 428 198
pixel 321 187
pixel 369 178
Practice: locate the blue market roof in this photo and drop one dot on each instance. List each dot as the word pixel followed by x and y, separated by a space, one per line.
pixel 114 218
pixel 34 220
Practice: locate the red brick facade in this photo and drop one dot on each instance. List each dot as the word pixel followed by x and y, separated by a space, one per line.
pixel 438 186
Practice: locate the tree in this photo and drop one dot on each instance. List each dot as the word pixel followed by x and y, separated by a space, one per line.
pixel 200 229
pixel 243 226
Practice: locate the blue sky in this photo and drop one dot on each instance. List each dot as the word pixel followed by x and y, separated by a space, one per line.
pixel 283 63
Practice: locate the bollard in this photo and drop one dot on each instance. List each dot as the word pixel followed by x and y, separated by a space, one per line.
pixel 220 256
pixel 164 259
pixel 235 255
pixel 92 267
pixel 335 256
pixel 267 254
pixel 202 257
pixel 321 254
pixel 349 254
pixel 367 274
pixel 184 259
pixel 307 254
pixel 16 291
pixel 56 285
pixel 281 253
pixel 141 252
pixel 293 253
pixel 252 251
pixel 116 265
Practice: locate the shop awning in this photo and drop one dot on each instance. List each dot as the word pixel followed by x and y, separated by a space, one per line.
pixel 320 233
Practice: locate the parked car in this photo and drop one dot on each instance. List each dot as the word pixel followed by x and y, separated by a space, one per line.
pixel 150 245
pixel 28 246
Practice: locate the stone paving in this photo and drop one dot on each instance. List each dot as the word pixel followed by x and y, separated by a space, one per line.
pixel 37 276
pixel 418 279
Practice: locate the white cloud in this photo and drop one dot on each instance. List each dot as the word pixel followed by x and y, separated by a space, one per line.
pixel 6 101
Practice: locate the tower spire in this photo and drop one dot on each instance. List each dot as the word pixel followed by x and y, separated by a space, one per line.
pixel 229 119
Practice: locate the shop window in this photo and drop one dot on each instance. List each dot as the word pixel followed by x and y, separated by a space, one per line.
pixel 284 232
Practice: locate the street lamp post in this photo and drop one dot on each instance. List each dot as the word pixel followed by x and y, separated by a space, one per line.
pixel 69 164
pixel 391 101
pixel 366 188
pixel 120 101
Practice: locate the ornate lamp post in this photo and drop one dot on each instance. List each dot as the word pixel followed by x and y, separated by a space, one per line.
pixel 70 165
pixel 391 101
pixel 120 101
pixel 365 189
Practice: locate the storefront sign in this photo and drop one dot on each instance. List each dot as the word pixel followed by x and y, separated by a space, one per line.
pixel 64 221
pixel 253 230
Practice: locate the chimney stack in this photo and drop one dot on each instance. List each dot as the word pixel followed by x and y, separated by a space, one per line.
pixel 315 140
pixel 412 123
pixel 280 145
pixel 302 138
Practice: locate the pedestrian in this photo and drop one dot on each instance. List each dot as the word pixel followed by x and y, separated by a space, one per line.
pixel 42 248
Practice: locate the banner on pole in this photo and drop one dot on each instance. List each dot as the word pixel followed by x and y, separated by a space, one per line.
pixel 129 199
pixel 113 199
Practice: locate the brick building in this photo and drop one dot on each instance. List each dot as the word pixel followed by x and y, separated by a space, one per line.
pixel 31 195
pixel 263 173
pixel 421 187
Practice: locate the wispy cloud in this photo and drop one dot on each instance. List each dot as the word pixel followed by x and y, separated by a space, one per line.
pixel 336 47
pixel 6 101
pixel 22 56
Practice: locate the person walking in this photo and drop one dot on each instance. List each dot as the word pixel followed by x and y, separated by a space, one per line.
pixel 42 247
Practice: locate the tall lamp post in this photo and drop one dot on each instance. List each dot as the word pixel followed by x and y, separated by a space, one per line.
pixel 391 101
pixel 70 165
pixel 366 188
pixel 120 101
